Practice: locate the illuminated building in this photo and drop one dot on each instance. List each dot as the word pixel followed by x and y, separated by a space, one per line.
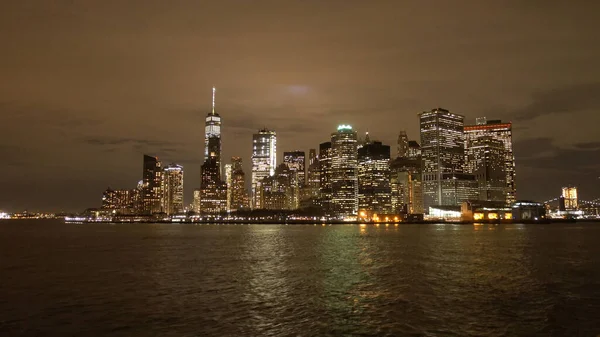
pixel 213 192
pixel 374 178
pixel 151 186
pixel 570 197
pixel 212 134
pixel 485 158
pixel 264 156
pixel 414 150
pixel 197 198
pixel 311 190
pixel 325 154
pixel 457 188
pixel 402 144
pixel 172 187
pixel 229 185
pixel 344 167
pixel 497 130
pixel 276 192
pixel 237 187
pixel 296 162
pixel 528 210
pixel 442 151
pixel 406 185
pixel 120 201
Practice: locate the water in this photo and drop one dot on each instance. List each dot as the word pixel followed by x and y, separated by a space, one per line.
pixel 61 279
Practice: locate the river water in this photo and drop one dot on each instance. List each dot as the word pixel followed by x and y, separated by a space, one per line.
pixel 61 279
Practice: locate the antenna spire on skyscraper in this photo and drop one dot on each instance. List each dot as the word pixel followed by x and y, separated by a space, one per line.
pixel 213 100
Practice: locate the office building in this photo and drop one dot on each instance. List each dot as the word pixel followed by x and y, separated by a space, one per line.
pixel 212 135
pixel 414 150
pixel 151 186
pixel 119 201
pixel 213 191
pixel 569 194
pixel 228 182
pixel 498 130
pixel 442 152
pixel 172 188
pixel 374 192
pixel 264 157
pixel 403 146
pixel 276 192
pixel 485 158
pixel 238 182
pixel 406 185
pixel 196 204
pixel 344 172
pixel 325 173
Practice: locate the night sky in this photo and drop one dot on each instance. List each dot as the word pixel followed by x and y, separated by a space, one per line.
pixel 87 87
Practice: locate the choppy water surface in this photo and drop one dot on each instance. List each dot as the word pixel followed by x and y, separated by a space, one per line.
pixel 268 280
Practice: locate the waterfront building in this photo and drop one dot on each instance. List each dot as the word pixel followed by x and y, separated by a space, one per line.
pixel 212 134
pixel 296 162
pixel 485 158
pixel 238 188
pixel 119 201
pixel 196 204
pixel 172 188
pixel 442 151
pixel 457 188
pixel 310 193
pixel 403 147
pixel 569 195
pixel 276 192
pixel 406 185
pixel 528 210
pixel 374 178
pixel 498 130
pixel 264 157
pixel 151 192
pixel 325 173
pixel 228 172
pixel 213 191
pixel 344 172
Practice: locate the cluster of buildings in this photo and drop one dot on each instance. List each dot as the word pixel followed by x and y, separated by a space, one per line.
pixel 347 177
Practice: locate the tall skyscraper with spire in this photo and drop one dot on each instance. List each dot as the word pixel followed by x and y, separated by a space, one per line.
pixel 212 134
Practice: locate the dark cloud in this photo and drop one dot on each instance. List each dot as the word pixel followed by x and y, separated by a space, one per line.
pixel 562 100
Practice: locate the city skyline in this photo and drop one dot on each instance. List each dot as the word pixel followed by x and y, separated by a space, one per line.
pixel 81 100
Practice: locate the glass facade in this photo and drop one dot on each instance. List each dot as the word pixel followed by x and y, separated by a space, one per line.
pixel 442 151
pixel 172 186
pixel 374 192
pixel 485 158
pixel 344 172
pixel 502 132
pixel 151 186
pixel 264 156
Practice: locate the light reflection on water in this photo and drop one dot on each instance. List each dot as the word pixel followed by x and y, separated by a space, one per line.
pixel 232 280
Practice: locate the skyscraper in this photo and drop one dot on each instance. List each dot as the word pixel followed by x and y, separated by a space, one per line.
pixel 296 162
pixel 238 182
pixel 403 144
pixel 172 187
pixel 414 150
pixel 276 192
pixel 344 167
pixel 151 185
pixel 311 191
pixel 213 191
pixel 228 182
pixel 502 132
pixel 325 174
pixel 406 185
pixel 264 156
pixel 374 178
pixel 212 134
pixel 485 158
pixel 442 150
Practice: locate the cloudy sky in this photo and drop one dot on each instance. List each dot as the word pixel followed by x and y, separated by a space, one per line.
pixel 87 87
